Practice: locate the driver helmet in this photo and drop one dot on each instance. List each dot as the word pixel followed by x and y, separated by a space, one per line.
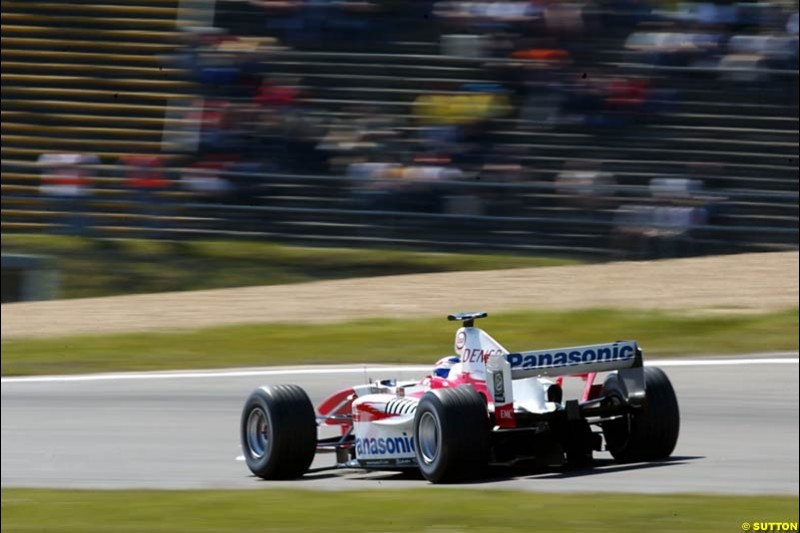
pixel 443 366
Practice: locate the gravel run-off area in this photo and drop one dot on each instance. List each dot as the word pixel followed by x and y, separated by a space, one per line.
pixel 744 283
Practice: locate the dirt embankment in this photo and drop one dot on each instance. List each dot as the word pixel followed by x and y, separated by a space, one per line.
pixel 736 283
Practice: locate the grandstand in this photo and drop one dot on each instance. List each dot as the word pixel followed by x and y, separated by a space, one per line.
pixel 82 76
pixel 89 77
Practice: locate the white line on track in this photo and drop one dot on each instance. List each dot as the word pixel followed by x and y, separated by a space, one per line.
pixel 724 362
pixel 777 358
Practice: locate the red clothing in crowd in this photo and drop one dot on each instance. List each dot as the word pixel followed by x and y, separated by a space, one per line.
pixel 145 172
pixel 276 95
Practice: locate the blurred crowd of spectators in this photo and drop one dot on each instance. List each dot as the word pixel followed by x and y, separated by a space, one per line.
pixel 540 58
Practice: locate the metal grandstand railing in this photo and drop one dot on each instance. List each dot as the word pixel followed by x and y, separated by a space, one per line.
pixel 525 216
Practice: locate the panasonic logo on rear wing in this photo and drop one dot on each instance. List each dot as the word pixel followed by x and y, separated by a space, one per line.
pixel 576 360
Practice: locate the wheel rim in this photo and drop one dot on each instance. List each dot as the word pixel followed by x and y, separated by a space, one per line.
pixel 428 437
pixel 257 432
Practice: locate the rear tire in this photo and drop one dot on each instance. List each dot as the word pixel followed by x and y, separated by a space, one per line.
pixel 647 435
pixel 278 432
pixel 451 434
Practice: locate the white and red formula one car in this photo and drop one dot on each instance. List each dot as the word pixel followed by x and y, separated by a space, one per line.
pixel 482 406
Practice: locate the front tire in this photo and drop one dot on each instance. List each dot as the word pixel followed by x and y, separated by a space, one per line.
pixel 278 432
pixel 647 435
pixel 451 434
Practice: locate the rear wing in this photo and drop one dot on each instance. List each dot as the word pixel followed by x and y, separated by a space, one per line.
pixel 576 360
pixel 623 356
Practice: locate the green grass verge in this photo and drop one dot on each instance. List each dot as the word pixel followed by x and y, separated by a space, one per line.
pixel 125 266
pixel 396 341
pixel 430 510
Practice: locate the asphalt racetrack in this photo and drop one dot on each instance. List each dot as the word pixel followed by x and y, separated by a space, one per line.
pixel 739 432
